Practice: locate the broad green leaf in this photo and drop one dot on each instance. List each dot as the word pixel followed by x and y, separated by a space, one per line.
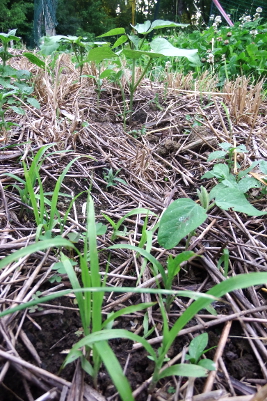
pixel 263 166
pixel 184 369
pixel 113 32
pixel 220 170
pixel 99 54
pixel 136 54
pixel 233 198
pixel 218 154
pixel 120 41
pixel 162 46
pixel 135 40
pixel 159 24
pixel 50 44
pixel 247 183
pixel 101 229
pixel 34 59
pixel 225 146
pixel 230 182
pixel 207 364
pixel 142 28
pixel 33 102
pixel 181 218
pixel 207 175
pixel 197 346
pixel 18 110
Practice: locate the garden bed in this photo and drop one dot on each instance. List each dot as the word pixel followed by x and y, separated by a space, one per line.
pixel 157 159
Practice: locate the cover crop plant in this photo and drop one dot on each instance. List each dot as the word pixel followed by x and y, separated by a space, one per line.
pixel 133 49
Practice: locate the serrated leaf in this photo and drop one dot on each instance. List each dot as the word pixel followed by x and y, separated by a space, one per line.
pixel 33 102
pixel 181 217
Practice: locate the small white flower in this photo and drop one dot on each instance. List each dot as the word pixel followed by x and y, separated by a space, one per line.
pixel 218 18
pixel 253 32
pixel 248 18
pixel 259 10
pixel 210 58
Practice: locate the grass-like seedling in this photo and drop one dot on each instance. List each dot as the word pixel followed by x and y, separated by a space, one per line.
pixel 94 349
pixel 45 211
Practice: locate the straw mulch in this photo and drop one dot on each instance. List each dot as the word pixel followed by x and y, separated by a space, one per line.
pixel 161 156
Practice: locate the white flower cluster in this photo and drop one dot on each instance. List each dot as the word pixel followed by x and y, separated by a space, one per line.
pixel 217 21
pixel 247 18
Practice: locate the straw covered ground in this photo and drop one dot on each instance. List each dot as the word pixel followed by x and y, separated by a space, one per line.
pixel 160 157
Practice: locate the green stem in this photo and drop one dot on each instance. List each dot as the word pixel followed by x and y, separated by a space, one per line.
pixel 142 75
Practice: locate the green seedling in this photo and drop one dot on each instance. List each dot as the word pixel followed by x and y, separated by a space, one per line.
pixel 133 49
pixel 228 151
pixel 239 184
pixel 5 39
pixel 196 349
pixel 117 225
pixel 45 212
pixel 111 178
pixel 97 333
pixel 224 260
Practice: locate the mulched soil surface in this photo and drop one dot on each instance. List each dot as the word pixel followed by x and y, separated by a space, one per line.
pixel 161 155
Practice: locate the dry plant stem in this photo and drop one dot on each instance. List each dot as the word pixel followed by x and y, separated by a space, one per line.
pixel 221 118
pixel 261 394
pixel 190 389
pixel 211 396
pixel 227 377
pixel 219 351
